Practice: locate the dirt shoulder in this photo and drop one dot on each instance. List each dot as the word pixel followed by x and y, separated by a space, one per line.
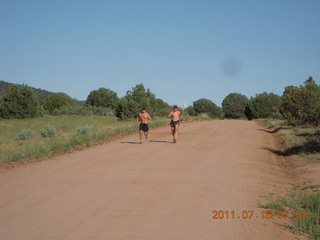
pixel 302 170
pixel 156 190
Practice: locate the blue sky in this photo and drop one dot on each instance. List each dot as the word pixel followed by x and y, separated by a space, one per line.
pixel 182 50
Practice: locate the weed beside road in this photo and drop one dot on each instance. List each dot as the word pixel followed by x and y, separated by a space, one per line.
pixel 303 203
pixel 301 208
pixel 38 138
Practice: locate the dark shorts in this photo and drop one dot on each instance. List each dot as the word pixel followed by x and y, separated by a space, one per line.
pixel 174 123
pixel 144 127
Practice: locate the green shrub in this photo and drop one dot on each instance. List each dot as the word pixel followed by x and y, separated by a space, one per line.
pixel 20 101
pixel 127 109
pixel 100 111
pixel 301 105
pixel 130 105
pixel 50 131
pixel 264 105
pixel 191 111
pixel 86 110
pixel 204 105
pixel 103 98
pixel 235 105
pixel 25 134
pixel 57 101
pixel 85 130
pixel 304 208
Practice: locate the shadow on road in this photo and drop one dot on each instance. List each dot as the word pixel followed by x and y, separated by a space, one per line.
pixel 155 141
pixel 132 142
pixel 159 141
pixel 275 130
pixel 310 147
pixel 285 153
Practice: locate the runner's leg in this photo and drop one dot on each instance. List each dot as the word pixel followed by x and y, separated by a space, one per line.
pixel 176 132
pixel 141 135
pixel 146 135
pixel 173 131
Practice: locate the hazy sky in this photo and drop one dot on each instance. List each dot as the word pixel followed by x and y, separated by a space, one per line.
pixel 182 50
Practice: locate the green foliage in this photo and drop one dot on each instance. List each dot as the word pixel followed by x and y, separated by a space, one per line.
pixel 58 101
pixel 304 209
pixel 5 85
pixel 312 204
pixel 143 98
pixel 20 101
pixel 234 105
pixel 50 131
pixel 191 111
pixel 85 130
pixel 217 113
pixel 86 110
pixel 127 109
pixel 130 105
pixel 264 105
pixel 301 105
pixel 103 98
pixel 25 134
pixel 204 105
pixel 160 108
pixel 140 95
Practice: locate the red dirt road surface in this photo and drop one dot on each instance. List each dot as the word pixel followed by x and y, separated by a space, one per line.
pixel 157 190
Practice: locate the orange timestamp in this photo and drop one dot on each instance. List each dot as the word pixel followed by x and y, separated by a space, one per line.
pixel 252 214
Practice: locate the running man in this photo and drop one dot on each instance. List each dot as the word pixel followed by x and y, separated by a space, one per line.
pixel 144 118
pixel 176 117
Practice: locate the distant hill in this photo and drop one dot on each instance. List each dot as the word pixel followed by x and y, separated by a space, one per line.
pixel 5 85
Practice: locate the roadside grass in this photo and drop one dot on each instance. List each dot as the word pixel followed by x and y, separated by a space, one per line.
pixel 303 211
pixel 24 139
pixel 304 141
pixel 201 116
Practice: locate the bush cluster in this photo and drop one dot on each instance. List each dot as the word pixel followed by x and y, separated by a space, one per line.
pixel 25 134
pixel 234 105
pixel 204 105
pixel 21 101
pixel 85 130
pixel 50 131
pixel 301 105
pixel 298 105
pixel 137 98
pixel 264 105
pixel 86 110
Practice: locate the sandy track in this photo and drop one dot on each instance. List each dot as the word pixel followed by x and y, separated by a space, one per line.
pixel 157 190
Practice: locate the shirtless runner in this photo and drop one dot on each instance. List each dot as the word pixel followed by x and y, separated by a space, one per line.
pixel 144 118
pixel 176 117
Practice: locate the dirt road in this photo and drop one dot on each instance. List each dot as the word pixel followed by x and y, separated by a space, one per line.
pixel 156 190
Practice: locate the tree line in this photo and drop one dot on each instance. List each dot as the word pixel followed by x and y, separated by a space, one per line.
pixel 5 85
pixel 298 105
pixel 21 101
